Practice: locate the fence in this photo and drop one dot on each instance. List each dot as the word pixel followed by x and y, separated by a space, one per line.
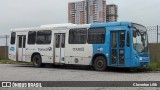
pixel 4 43
pixel 4 40
pixel 153 34
pixel 3 52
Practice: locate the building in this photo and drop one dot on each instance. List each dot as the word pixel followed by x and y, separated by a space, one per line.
pixel 111 13
pixel 96 11
pixel 87 11
pixel 77 12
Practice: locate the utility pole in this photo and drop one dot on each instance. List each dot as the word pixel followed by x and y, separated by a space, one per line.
pixel 6 39
pixel 157 34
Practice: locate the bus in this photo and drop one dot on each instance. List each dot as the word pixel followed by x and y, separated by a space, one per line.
pixel 101 45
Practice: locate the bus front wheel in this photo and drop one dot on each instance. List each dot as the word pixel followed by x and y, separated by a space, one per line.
pixel 100 63
pixel 37 61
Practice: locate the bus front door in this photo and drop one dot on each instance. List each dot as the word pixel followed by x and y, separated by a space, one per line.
pixel 59 48
pixel 117 57
pixel 21 47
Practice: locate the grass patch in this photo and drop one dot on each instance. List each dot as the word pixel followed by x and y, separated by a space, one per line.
pixel 154 66
pixel 7 61
pixel 13 62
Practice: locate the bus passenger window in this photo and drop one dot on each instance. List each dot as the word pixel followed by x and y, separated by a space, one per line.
pixel 63 41
pixel 31 37
pixel 57 41
pixel 96 36
pixel 44 37
pixel 114 39
pixel 122 39
pixel 13 38
pixel 78 36
pixel 128 39
pixel 20 42
pixel 24 41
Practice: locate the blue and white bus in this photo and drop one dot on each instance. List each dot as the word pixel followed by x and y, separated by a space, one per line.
pixel 114 44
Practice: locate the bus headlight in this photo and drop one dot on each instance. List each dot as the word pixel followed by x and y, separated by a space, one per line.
pixel 140 59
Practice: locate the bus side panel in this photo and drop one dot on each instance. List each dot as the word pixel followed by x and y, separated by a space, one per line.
pixel 46 52
pixel 103 49
pixel 80 54
pixel 30 49
pixel 12 52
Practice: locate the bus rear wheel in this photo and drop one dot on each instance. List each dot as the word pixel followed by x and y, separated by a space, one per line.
pixel 37 61
pixel 100 63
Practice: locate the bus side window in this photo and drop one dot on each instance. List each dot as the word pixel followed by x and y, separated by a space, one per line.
pixel 128 39
pixel 31 37
pixel 96 36
pixel 13 38
pixel 78 36
pixel 44 37
pixel 20 41
pixel 63 41
pixel 122 39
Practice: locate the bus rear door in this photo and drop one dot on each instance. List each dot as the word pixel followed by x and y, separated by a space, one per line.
pixel 21 47
pixel 59 47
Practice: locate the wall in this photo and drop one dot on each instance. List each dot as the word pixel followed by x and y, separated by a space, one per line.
pixel 154 52
pixel 3 52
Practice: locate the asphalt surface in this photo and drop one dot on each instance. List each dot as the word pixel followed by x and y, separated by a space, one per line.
pixel 15 72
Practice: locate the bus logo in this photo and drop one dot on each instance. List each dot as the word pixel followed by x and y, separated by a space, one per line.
pixel 45 49
pixel 12 49
pixel 99 49
pixel 49 49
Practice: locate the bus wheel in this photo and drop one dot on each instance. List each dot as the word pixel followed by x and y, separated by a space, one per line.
pixel 37 61
pixel 100 63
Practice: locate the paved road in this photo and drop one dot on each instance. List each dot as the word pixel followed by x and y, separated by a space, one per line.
pixel 15 72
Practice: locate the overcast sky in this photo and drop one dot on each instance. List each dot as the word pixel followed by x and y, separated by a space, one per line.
pixel 32 13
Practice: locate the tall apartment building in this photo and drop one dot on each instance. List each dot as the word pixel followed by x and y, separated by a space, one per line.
pixel 111 13
pixel 77 12
pixel 87 11
pixel 96 11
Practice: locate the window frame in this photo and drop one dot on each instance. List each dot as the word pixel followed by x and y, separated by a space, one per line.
pixel 75 29
pixel 12 38
pixel 96 32
pixel 41 35
pixel 35 38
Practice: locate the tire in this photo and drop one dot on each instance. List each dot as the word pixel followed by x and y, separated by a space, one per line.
pixel 37 61
pixel 100 63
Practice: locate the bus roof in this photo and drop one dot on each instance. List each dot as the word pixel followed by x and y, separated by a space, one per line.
pixel 52 27
pixel 70 26
pixel 109 24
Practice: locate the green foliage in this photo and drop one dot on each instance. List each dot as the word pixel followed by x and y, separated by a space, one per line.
pixel 154 66
pixel 13 62
pixel 7 61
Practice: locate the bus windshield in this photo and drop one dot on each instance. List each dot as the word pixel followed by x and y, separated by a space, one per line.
pixel 140 39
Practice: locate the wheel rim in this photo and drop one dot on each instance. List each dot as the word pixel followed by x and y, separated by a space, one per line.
pixel 37 61
pixel 100 63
